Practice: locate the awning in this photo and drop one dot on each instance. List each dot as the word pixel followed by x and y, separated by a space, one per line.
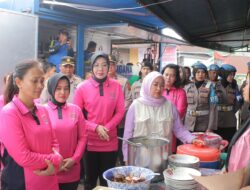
pixel 215 24
pixel 113 15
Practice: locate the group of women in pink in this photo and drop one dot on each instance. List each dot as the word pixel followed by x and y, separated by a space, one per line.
pixel 43 144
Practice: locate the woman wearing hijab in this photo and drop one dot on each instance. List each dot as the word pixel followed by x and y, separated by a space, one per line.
pixel 201 112
pixel 102 102
pixel 238 150
pixel 69 126
pixel 228 105
pixel 153 114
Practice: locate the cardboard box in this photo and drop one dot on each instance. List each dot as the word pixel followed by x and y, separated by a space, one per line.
pixel 239 180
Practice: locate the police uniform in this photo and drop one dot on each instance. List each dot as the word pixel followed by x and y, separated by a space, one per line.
pixel 227 103
pixel 214 67
pixel 74 81
pixel 128 100
pixel 124 83
pixel 135 89
pixel 200 115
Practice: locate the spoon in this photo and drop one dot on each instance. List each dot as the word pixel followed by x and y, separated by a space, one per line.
pixel 154 174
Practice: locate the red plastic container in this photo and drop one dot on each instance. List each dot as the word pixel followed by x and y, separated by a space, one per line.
pixel 204 153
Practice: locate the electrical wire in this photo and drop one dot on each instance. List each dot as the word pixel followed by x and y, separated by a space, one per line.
pixel 83 7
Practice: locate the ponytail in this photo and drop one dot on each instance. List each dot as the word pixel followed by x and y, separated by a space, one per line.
pixel 20 70
pixel 10 90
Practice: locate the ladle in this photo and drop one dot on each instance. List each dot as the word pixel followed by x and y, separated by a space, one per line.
pixel 130 142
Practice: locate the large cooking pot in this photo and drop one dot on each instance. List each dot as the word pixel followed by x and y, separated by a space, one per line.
pixel 149 152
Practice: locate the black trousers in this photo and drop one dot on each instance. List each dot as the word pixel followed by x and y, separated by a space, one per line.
pixel 120 132
pixel 95 164
pixel 68 186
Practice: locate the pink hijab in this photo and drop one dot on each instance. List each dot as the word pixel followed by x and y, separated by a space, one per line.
pixel 145 96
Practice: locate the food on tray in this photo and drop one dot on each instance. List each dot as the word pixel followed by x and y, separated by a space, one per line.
pixel 127 179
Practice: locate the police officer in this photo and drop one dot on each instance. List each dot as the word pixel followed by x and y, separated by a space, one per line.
pixel 121 79
pixel 67 67
pixel 226 91
pixel 146 67
pixel 213 72
pixel 127 97
pixel 200 115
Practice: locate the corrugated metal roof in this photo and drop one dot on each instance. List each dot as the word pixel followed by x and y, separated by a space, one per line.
pixel 216 24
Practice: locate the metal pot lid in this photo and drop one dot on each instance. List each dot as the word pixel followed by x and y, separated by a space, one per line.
pixel 150 141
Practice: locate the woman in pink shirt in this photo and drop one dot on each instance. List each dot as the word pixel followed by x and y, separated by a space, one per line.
pixel 174 92
pixel 68 123
pixel 31 155
pixel 102 102
pixel 238 150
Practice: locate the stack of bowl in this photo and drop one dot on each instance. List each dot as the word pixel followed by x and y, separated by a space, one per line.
pixel 182 160
pixel 180 178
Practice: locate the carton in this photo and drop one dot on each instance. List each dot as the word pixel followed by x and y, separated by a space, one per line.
pixel 239 180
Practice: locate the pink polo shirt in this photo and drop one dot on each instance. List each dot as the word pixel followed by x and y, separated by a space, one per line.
pixel 107 110
pixel 1 146
pixel 71 135
pixel 28 143
pixel 178 98
pixel 240 154
pixel 1 101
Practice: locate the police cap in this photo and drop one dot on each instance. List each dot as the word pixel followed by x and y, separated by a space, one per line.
pixel 199 65
pixel 228 67
pixel 112 59
pixel 67 60
pixel 213 67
